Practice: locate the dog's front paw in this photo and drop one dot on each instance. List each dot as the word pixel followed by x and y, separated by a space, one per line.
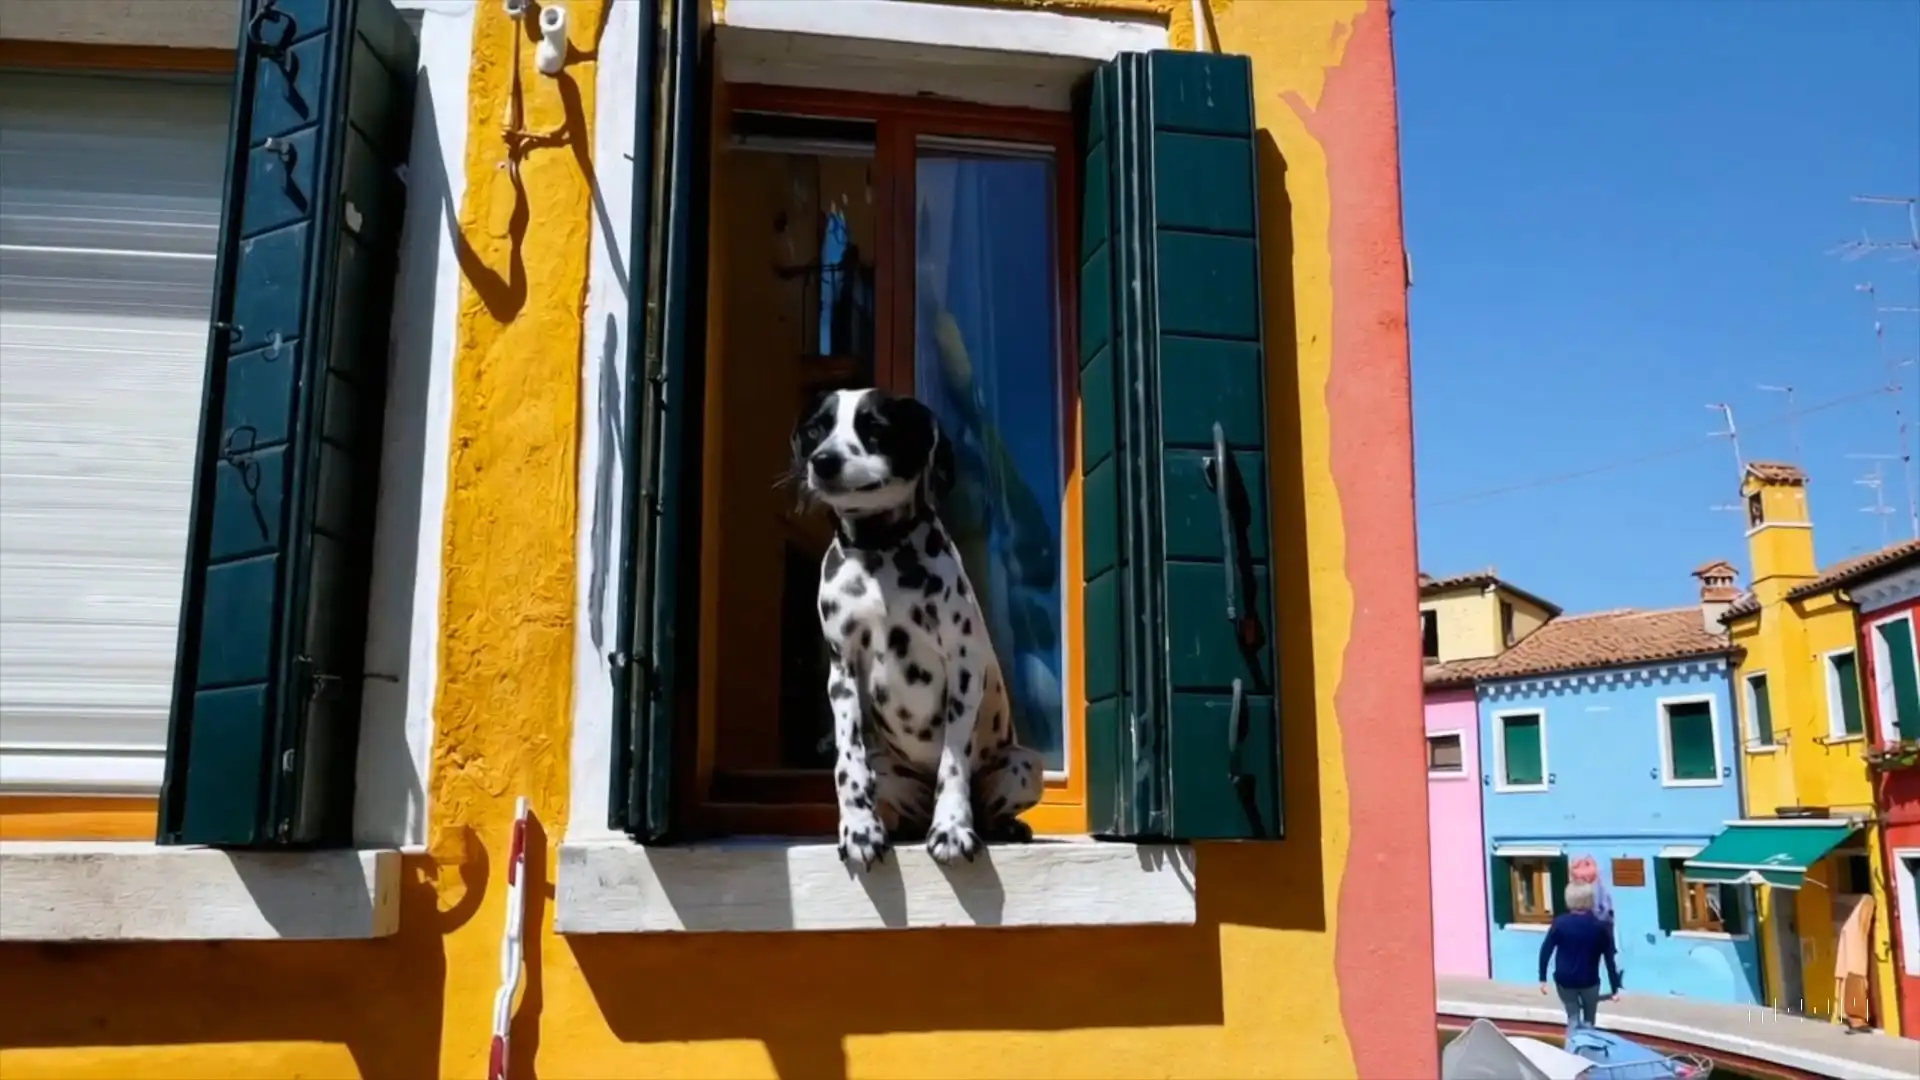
pixel 863 840
pixel 953 840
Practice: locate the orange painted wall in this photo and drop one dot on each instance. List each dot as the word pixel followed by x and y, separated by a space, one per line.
pixel 1299 964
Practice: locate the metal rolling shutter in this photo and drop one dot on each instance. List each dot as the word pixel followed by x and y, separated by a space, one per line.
pixel 110 192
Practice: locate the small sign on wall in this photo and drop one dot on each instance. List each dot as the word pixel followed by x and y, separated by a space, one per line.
pixel 1629 873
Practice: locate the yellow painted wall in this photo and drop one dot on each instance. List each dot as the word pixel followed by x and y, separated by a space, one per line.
pixel 1789 639
pixel 1470 621
pixel 1254 989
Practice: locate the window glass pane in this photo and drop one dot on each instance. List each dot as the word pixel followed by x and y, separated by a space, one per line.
pixel 1690 741
pixel 1522 742
pixel 1443 753
pixel 1847 682
pixel 987 361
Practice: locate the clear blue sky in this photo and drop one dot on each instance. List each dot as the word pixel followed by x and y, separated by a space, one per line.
pixel 1617 213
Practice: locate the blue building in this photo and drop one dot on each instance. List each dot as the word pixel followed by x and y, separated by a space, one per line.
pixel 1613 735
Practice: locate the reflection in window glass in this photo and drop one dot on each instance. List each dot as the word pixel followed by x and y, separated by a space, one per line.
pixel 986 360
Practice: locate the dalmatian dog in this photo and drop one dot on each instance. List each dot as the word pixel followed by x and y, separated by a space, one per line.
pixel 922 729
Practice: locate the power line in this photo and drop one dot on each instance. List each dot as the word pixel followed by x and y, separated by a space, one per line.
pixel 1691 446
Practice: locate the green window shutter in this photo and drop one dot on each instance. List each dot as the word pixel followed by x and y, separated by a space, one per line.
pixel 1665 894
pixel 1690 741
pixel 1523 757
pixel 1897 636
pixel 654 655
pixel 1762 704
pixel 1559 874
pixel 1182 723
pixel 1846 672
pixel 1733 910
pixel 266 700
pixel 1500 890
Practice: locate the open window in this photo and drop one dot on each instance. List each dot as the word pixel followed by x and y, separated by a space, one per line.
pixel 1028 274
pixel 1527 890
pixel 266 696
pixel 1700 907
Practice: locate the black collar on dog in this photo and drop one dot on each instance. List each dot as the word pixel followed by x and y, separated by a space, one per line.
pixel 885 531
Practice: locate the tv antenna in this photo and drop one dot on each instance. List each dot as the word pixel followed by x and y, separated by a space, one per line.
pixel 1732 435
pixel 1793 417
pixel 1905 248
pixel 1876 483
pixel 1894 368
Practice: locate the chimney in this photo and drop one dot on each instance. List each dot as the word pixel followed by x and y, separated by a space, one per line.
pixel 1717 593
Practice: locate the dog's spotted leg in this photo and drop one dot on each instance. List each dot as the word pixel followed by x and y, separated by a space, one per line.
pixel 862 838
pixel 952 835
pixel 1007 784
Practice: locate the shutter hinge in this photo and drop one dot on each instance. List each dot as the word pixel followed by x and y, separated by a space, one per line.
pixel 317 685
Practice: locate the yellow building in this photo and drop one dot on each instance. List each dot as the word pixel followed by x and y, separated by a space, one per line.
pixel 1809 841
pixel 515 305
pixel 1476 614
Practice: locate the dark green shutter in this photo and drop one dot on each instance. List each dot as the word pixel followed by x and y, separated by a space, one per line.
pixel 1182 726
pixel 1522 750
pixel 1762 704
pixel 654 657
pixel 1690 741
pixel 1733 911
pixel 1665 895
pixel 1846 673
pixel 266 698
pixel 1500 890
pixel 1897 636
pixel 1558 877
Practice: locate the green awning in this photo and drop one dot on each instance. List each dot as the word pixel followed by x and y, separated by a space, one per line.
pixel 1777 853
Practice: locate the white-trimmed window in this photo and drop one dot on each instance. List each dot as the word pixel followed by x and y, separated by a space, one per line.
pixel 1520 751
pixel 1896 677
pixel 1846 717
pixel 1758 704
pixel 1690 742
pixel 1906 887
pixel 1446 753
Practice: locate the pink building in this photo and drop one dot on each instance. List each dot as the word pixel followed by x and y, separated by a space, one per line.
pixel 1458 857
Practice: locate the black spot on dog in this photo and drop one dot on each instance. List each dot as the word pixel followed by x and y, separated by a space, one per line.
pixel 840 778
pixel 936 543
pixel 872 561
pixel 961 586
pixel 880 695
pixel 854 586
pixel 934 584
pixel 846 631
pixel 898 642
pixel 840 691
pixel 919 618
pixel 866 636
pixel 828 609
pixel 924 734
pixel 966 627
pixel 917 675
pixel 956 618
pixel 966 680
pixel 903 713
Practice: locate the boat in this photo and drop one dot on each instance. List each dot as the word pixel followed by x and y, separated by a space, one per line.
pixel 1484 1052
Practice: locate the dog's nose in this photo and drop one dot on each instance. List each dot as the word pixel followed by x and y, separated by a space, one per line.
pixel 828 463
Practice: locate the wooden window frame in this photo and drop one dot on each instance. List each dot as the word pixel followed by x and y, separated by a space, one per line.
pixel 1540 868
pixel 799 802
pixel 1689 895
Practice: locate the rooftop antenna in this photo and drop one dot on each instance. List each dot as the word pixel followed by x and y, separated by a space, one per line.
pixel 1907 247
pixel 1793 417
pixel 1876 482
pixel 1894 368
pixel 1732 435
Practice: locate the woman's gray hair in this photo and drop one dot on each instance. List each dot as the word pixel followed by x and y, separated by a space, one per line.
pixel 1580 896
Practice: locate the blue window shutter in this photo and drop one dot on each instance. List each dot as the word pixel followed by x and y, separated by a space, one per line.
pixel 262 739
pixel 1182 725
pixel 666 363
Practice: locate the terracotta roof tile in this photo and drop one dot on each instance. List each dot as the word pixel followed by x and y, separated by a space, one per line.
pixel 1776 472
pixel 1602 639
pixel 1848 571
pixel 1430 585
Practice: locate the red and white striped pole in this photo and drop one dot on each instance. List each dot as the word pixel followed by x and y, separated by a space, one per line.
pixel 511 954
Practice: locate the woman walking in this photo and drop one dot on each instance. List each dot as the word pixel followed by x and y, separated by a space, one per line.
pixel 1577 942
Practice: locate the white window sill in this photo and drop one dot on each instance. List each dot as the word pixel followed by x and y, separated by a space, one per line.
pixel 1527 927
pixel 116 891
pixel 1708 935
pixel 1448 774
pixel 618 887
pixel 1840 740
pixel 1769 748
